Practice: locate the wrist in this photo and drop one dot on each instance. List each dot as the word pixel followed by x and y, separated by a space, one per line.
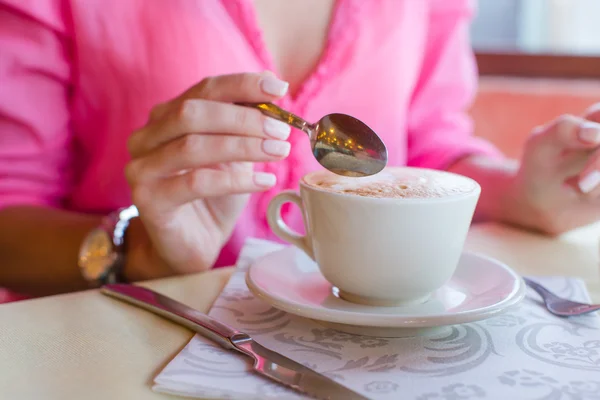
pixel 528 207
pixel 499 199
pixel 505 197
pixel 142 262
pixel 516 208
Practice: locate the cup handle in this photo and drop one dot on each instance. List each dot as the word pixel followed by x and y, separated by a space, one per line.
pixel 280 228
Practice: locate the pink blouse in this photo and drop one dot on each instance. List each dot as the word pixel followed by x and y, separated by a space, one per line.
pixel 76 77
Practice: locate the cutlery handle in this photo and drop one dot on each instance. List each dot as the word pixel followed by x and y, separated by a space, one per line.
pixel 271 110
pixel 173 310
pixel 541 290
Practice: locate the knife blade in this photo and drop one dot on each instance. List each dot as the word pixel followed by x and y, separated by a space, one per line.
pixel 267 363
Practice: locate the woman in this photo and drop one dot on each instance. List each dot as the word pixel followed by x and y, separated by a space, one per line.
pixel 107 103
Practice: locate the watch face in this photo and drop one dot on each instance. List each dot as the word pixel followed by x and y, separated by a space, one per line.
pixel 96 255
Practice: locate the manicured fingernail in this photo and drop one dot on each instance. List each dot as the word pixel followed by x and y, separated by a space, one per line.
pixel 274 86
pixel 278 148
pixel 589 182
pixel 277 129
pixel 264 179
pixel 590 132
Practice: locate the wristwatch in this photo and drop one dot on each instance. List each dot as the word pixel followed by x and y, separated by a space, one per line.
pixel 102 253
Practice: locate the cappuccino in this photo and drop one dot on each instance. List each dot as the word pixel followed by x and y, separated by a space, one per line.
pixel 395 183
pixel 385 240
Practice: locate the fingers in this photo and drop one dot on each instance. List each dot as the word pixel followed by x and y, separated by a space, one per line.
pixel 206 108
pixel 201 183
pixel 204 116
pixel 251 88
pixel 569 147
pixel 589 178
pixel 566 133
pixel 176 152
pixel 233 88
pixel 593 113
pixel 196 151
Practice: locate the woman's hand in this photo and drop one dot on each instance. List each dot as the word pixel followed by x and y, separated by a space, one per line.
pixel 557 184
pixel 191 171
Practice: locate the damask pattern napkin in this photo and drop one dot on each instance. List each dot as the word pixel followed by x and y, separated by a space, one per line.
pixel 525 353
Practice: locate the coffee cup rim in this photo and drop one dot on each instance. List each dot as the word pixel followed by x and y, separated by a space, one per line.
pixel 405 200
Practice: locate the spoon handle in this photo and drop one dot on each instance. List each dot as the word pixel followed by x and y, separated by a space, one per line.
pixel 271 110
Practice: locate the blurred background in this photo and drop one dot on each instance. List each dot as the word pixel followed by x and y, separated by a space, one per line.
pixel 537 59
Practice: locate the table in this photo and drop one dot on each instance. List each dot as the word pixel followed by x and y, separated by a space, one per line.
pixel 87 346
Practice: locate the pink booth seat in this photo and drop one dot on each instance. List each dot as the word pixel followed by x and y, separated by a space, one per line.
pixel 506 108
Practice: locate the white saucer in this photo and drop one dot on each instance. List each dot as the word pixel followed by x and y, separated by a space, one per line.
pixel 480 288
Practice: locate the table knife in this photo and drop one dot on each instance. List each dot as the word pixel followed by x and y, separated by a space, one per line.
pixel 266 362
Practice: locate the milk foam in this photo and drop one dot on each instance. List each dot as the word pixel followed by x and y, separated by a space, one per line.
pixel 395 183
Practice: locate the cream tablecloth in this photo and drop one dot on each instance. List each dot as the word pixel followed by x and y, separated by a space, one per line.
pixel 84 346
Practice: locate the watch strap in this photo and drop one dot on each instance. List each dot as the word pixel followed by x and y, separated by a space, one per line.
pixel 116 224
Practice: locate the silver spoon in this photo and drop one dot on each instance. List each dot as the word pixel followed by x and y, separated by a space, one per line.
pixel 341 143
pixel 558 305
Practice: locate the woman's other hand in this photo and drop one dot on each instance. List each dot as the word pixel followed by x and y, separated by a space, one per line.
pixel 191 171
pixel 557 185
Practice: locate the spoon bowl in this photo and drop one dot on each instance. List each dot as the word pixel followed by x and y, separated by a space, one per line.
pixel 340 143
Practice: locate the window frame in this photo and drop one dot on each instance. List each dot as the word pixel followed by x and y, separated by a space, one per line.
pixel 543 65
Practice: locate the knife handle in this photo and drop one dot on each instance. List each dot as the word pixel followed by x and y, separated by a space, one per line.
pixel 174 311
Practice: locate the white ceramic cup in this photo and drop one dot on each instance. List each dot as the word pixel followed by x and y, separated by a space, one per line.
pixel 380 251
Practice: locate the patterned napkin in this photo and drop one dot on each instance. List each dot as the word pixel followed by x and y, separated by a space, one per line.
pixel 525 353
